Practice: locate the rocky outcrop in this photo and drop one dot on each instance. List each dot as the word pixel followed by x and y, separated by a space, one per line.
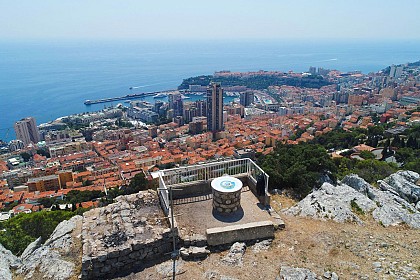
pixel 59 257
pixel 403 184
pixel 8 261
pixel 392 209
pixel 31 248
pixel 332 202
pixel 390 205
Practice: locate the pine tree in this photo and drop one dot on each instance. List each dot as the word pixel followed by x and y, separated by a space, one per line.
pixel 396 141
pixel 411 142
pixel 402 143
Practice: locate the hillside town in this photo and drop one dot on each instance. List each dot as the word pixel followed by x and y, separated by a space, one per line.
pixel 100 151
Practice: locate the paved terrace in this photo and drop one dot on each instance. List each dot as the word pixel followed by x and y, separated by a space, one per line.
pixel 192 201
pixel 195 215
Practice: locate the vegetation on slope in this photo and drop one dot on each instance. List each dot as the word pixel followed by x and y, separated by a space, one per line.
pixel 298 167
pixel 19 231
pixel 257 82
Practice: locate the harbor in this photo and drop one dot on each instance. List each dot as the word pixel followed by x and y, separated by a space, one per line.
pixel 129 96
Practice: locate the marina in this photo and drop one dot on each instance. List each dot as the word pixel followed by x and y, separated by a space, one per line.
pixel 129 96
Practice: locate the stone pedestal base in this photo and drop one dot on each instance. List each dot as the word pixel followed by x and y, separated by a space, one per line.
pixel 226 202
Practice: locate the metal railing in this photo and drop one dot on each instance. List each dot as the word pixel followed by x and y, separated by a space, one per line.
pixel 186 175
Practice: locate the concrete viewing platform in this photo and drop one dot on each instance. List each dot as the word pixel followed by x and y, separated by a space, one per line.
pixel 195 217
pixel 219 203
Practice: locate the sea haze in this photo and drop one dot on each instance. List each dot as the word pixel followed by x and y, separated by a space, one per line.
pixel 52 79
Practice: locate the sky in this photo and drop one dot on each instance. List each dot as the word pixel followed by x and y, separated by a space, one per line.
pixel 216 19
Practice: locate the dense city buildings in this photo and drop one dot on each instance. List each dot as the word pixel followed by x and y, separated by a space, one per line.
pixel 176 104
pixel 214 108
pixel 98 151
pixel 27 131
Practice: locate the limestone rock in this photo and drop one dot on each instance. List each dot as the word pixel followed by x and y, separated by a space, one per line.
pixel 58 257
pixel 166 268
pixel 262 246
pixel 192 253
pixel 31 247
pixel 296 273
pixel 234 257
pixel 214 274
pixel 389 205
pixel 404 184
pixel 7 261
pixel 357 183
pixel 332 202
pixel 392 209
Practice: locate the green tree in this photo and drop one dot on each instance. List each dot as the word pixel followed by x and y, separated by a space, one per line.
pixel 396 141
pixel 26 156
pixel 373 170
pixel 411 142
pixel 138 183
pixel 43 152
pixel 297 167
pixel 17 232
pixel 367 155
pixel 413 165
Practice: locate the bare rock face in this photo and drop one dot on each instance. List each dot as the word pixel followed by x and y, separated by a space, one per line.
pixel 332 202
pixel 403 183
pixel 8 261
pixel 392 208
pixel 392 204
pixel 31 248
pixel 58 257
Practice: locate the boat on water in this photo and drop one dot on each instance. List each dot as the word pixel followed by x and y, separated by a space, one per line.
pixel 160 95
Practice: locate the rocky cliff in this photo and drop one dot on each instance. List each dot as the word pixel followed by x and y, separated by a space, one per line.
pixel 394 202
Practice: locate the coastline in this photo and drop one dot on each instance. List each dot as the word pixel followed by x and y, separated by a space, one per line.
pixel 49 80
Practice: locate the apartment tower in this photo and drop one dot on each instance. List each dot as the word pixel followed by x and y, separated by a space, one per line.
pixel 26 131
pixel 214 108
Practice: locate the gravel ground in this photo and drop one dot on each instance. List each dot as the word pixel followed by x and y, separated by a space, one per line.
pixel 351 251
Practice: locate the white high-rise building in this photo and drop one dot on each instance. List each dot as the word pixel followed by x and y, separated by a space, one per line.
pixel 27 131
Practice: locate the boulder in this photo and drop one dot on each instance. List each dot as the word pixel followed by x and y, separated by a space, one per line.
pixel 193 253
pixel 234 257
pixel 262 246
pixel 296 273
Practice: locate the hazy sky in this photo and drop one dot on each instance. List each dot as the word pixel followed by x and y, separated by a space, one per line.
pixel 197 19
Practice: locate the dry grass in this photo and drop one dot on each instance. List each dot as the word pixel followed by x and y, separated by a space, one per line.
pixel 347 249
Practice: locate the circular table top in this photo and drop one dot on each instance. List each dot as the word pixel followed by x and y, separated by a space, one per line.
pixel 226 184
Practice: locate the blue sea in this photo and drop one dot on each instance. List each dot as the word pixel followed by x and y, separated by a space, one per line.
pixel 49 79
